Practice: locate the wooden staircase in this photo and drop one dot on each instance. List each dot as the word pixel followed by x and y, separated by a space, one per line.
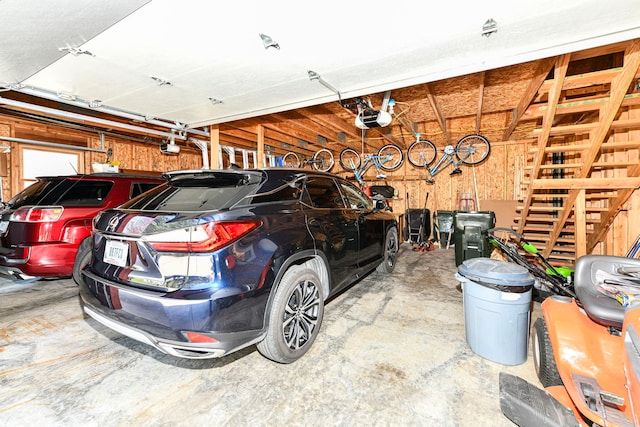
pixel 584 163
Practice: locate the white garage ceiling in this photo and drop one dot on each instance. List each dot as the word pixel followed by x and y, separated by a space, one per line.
pixel 168 60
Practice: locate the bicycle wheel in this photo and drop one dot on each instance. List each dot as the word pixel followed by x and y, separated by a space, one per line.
pixel 421 153
pixel 390 157
pixel 323 160
pixel 472 149
pixel 350 159
pixel 291 160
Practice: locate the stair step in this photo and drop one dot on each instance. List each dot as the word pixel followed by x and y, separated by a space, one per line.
pixel 571 250
pixel 543 239
pixel 601 165
pixel 545 229
pixel 549 196
pixel 601 196
pixel 561 257
pixel 559 208
pixel 568 148
pixel 562 166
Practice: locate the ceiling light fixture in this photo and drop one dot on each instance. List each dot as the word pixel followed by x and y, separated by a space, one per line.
pixel 268 42
pixel 96 103
pixel 489 27
pixel 75 51
pixel 161 81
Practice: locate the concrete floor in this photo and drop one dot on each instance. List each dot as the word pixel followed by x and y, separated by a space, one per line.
pixel 391 351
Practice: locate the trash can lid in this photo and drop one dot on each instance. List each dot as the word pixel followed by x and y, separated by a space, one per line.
pixel 495 271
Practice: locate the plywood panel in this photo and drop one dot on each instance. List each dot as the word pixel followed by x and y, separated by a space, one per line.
pixel 5 130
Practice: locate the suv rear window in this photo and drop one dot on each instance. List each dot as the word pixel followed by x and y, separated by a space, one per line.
pixel 198 192
pixel 63 192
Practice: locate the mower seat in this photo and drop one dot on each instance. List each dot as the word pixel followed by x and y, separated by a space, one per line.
pixel 601 308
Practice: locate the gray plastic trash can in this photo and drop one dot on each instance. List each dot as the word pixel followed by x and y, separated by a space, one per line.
pixel 496 299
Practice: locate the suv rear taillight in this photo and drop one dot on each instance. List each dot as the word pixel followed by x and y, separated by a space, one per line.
pixel 207 237
pixel 37 214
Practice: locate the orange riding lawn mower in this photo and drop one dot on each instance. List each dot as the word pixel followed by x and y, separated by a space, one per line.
pixel 586 352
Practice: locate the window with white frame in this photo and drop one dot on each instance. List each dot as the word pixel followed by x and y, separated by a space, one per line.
pixel 39 162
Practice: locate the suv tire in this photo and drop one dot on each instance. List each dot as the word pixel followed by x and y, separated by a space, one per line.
pixel 83 257
pixel 295 316
pixel 390 252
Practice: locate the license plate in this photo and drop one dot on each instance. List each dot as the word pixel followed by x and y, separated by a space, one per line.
pixel 116 252
pixel 3 226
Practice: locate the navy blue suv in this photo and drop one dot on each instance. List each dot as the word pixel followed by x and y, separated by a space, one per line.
pixel 214 261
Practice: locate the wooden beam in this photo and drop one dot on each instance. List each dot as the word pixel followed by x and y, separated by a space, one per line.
pixel 214 139
pixel 614 207
pixel 544 67
pixel 480 101
pixel 581 224
pixel 581 106
pixel 584 80
pixel 560 72
pixel 246 137
pixel 280 130
pixel 433 101
pixel 323 116
pixel 260 148
pixel 619 87
pixel 298 128
pixel 586 183
pixel 585 128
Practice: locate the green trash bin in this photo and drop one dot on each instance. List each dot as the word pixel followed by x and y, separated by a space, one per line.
pixel 470 234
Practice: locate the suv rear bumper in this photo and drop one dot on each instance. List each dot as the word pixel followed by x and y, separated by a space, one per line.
pixel 15 273
pixel 128 312
pixel 175 348
pixel 41 260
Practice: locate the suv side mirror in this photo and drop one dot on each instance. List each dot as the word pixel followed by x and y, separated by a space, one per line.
pixel 381 205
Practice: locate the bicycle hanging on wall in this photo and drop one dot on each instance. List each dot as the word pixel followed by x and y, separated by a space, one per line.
pixel 470 150
pixel 388 158
pixel 322 160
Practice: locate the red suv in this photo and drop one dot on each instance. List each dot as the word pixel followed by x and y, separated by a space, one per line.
pixel 42 227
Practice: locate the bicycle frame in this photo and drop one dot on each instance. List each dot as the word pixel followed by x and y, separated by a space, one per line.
pixel 445 160
pixel 369 161
pixel 322 160
pixel 470 150
pixel 389 158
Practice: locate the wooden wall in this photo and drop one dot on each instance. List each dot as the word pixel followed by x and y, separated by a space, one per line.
pixel 626 225
pixel 134 156
pixel 5 130
pixel 500 177
pixel 497 178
